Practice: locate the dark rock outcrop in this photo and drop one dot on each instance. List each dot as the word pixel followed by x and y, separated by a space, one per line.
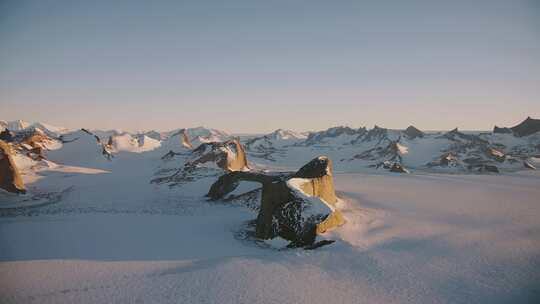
pixel 10 178
pixel 208 159
pixel 185 139
pixel 502 130
pixel 319 137
pixel 285 202
pixel 527 127
pixel 7 136
pixel 391 152
pixel 377 133
pixel 398 168
pixel 229 155
pixel 412 132
pixel 484 168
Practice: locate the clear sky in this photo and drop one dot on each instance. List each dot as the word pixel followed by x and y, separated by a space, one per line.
pixel 254 65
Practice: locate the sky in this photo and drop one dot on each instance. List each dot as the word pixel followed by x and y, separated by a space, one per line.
pixel 255 66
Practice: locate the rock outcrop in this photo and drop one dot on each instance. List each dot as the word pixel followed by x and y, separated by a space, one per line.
pixel 316 138
pixel 412 132
pixel 208 159
pixel 528 165
pixel 484 168
pixel 294 206
pixel 502 130
pixel 7 135
pixel 229 155
pixel 527 127
pixel 10 178
pixel 398 168
pixel 185 139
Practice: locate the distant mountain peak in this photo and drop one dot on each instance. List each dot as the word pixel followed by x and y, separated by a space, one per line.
pixel 412 132
pixel 527 127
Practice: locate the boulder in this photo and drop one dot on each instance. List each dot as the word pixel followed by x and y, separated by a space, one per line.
pixel 10 178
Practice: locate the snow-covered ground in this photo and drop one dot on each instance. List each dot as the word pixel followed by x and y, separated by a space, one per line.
pixel 418 238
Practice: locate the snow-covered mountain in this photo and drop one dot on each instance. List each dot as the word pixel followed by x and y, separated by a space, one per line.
pixel 351 149
pixel 452 151
pixel 273 143
pixel 333 136
pixel 23 126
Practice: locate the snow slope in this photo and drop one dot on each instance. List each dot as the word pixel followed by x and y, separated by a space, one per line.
pixel 465 239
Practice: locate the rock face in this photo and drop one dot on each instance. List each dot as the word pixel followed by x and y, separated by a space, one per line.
pixel 229 155
pixel 185 139
pixel 320 181
pixel 528 165
pixel 10 178
pixel 412 132
pixel 502 130
pixel 208 159
pixel 332 133
pixel 398 168
pixel 7 135
pixel 484 168
pixel 527 127
pixel 293 206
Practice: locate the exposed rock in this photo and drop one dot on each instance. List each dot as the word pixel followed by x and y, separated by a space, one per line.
pixel 527 127
pixel 185 139
pixel 208 159
pixel 78 139
pixel 448 159
pixel 377 133
pixel 457 136
pixel 392 153
pixel 496 154
pixel 385 165
pixel 321 182
pixel 502 130
pixel 90 133
pixel 484 168
pixel 10 178
pixel 38 141
pixel 398 168
pixel 412 132
pixel 271 145
pixel 320 137
pixel 7 135
pixel 528 165
pixel 293 206
pixel 229 155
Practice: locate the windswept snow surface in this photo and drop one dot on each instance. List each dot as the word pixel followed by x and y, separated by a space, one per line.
pixel 93 230
pixel 115 238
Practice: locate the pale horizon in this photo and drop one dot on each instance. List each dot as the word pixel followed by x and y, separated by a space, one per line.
pixel 261 133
